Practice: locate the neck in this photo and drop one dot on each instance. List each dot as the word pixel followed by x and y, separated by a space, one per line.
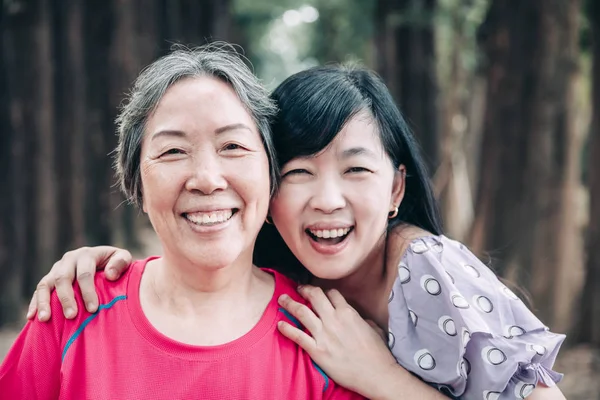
pixel 367 289
pixel 366 285
pixel 204 306
pixel 186 287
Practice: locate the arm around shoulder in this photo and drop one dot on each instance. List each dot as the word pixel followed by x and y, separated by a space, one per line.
pixel 401 384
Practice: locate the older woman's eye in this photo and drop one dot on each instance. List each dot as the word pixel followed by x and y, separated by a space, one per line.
pixel 233 146
pixel 172 151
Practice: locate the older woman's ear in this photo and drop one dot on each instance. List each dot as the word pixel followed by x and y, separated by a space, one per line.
pixel 142 203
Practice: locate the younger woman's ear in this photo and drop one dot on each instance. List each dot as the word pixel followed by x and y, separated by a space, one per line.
pixel 399 185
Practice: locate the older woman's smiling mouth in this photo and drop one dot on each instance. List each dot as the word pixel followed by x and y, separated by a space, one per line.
pixel 208 218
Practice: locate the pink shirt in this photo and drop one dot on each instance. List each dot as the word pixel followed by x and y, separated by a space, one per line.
pixel 116 353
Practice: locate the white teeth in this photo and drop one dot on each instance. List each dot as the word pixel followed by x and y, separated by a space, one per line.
pixel 209 218
pixel 330 233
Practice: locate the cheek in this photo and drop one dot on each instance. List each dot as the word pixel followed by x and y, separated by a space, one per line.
pixel 286 208
pixel 161 186
pixel 371 203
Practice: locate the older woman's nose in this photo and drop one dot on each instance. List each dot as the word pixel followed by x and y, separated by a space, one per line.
pixel 328 197
pixel 206 175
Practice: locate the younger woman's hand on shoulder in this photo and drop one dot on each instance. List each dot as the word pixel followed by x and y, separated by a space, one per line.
pixel 349 350
pixel 82 264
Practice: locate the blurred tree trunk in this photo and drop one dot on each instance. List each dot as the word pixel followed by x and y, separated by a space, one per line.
pixel 406 61
pixel 98 36
pixel 463 94
pixel 22 80
pixel 589 320
pixel 530 151
pixel 45 118
pixel 75 96
pixel 68 108
pixel 195 22
pixel 10 284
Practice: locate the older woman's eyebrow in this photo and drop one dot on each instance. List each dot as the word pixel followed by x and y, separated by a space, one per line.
pixel 223 129
pixel 232 127
pixel 358 151
pixel 168 132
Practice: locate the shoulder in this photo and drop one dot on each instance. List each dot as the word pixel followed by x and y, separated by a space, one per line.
pixel 451 319
pixel 285 285
pixel 108 292
pixel 446 257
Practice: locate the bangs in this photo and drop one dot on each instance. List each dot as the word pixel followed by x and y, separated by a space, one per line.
pixel 313 109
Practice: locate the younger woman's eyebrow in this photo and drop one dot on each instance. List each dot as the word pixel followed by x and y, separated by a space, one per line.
pixel 357 151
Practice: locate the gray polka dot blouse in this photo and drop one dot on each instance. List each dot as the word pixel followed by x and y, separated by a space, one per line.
pixel 455 325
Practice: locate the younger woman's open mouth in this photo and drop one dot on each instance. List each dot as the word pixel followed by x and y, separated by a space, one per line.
pixel 329 237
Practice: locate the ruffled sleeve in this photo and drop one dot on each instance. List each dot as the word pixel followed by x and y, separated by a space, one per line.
pixel 455 325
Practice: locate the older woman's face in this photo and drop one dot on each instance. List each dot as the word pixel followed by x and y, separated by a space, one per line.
pixel 205 174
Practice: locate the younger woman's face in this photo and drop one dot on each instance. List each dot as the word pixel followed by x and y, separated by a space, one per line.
pixel 332 208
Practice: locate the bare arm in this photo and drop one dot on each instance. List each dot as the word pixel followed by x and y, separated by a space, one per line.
pixel 400 384
pixel 546 393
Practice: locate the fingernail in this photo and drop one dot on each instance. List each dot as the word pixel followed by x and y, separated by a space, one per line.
pixel 283 298
pixel 111 272
pixel 42 315
pixel 300 287
pixel 29 314
pixel 91 307
pixel 69 313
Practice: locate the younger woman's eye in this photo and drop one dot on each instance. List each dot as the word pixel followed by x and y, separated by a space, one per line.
pixel 357 170
pixel 296 171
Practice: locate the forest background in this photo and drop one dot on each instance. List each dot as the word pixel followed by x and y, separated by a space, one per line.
pixel 504 97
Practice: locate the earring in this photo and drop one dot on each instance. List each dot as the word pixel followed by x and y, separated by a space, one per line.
pixel 392 214
pixel 268 220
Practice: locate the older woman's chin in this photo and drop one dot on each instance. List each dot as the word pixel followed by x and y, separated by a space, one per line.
pixel 209 246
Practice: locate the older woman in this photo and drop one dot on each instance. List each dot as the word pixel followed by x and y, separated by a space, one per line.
pixel 200 322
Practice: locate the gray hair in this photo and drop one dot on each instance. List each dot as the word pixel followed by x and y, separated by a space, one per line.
pixel 219 60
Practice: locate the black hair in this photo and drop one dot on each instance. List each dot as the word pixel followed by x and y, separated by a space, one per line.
pixel 314 105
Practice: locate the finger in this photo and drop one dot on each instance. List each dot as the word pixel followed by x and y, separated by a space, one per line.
pixel 302 313
pixel 317 299
pixel 118 262
pixel 336 299
pixel 297 336
pixel 64 273
pixel 377 330
pixel 43 299
pixel 86 269
pixel 32 309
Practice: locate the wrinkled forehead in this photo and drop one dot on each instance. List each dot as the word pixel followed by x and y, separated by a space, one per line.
pixel 199 104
